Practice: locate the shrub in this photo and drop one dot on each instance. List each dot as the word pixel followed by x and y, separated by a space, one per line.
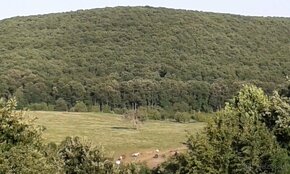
pixel 242 138
pixel 94 108
pixel 153 113
pixel 72 109
pixel 50 107
pixel 61 105
pixel 167 114
pixel 21 146
pixel 181 107
pixel 182 117
pixel 142 113
pixel 120 111
pixel 38 107
pixel 80 107
pixel 81 157
pixel 106 109
pixel 203 117
pixel 149 113
pixel 135 168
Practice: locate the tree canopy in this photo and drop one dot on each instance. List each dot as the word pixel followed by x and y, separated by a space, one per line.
pixel 140 55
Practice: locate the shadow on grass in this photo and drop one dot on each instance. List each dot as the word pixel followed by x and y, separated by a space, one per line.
pixel 122 128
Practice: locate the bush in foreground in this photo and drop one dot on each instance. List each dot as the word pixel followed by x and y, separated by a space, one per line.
pixel 82 157
pixel 21 148
pixel 239 139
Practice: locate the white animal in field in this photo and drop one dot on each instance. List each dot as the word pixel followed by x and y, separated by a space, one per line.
pixel 136 154
pixel 118 162
pixel 174 152
pixel 157 151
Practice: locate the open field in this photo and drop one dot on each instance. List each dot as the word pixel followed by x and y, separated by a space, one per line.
pixel 113 132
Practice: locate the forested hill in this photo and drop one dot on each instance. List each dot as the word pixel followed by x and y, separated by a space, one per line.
pixel 143 55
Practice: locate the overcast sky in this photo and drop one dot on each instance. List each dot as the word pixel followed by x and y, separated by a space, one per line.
pixel 11 8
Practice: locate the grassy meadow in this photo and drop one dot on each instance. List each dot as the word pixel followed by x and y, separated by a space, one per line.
pixel 113 132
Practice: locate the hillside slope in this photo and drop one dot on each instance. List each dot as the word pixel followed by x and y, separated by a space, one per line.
pixel 149 56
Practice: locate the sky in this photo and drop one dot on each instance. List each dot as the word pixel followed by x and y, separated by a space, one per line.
pixel 279 8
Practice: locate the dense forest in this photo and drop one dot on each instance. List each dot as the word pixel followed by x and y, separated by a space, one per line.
pixel 140 56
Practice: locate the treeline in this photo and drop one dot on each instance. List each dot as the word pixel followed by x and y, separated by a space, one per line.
pixel 167 93
pixel 121 57
pixel 110 94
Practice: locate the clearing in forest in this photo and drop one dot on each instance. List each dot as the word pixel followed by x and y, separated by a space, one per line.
pixel 113 132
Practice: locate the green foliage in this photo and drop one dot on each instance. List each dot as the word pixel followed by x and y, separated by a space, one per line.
pixel 81 157
pixel 154 113
pixel 277 119
pixel 149 113
pixel 174 165
pixel 21 149
pixel 203 117
pixel 182 117
pixel 240 139
pixel 273 111
pixel 167 113
pixel 120 111
pixel 135 168
pixel 15 128
pixel 94 108
pixel 181 107
pixel 26 160
pixel 50 107
pixel 143 56
pixel 38 107
pixel 80 107
pixel 60 105
pixel 106 109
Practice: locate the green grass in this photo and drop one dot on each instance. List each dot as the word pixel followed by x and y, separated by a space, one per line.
pixel 113 132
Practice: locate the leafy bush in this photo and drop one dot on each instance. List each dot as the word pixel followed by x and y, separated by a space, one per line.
pixel 242 138
pixel 149 113
pixel 21 144
pixel 154 113
pixel 181 107
pixel 203 117
pixel 135 168
pixel 94 108
pixel 80 107
pixel 38 107
pixel 167 114
pixel 182 117
pixel 50 107
pixel 120 111
pixel 61 105
pixel 106 109
pixel 82 157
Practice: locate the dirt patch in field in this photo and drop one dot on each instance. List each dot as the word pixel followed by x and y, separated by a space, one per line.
pixel 150 157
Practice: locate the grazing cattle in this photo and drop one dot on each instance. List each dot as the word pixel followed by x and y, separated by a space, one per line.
pixel 174 152
pixel 156 156
pixel 122 157
pixel 136 154
pixel 118 162
pixel 156 153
